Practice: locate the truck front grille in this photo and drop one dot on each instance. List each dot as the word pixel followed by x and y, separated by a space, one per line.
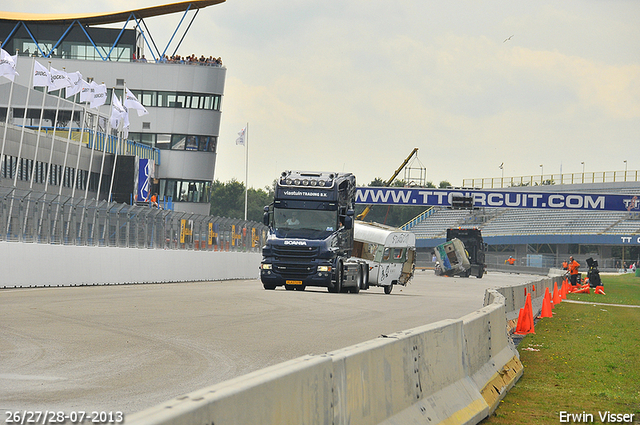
pixel 292 252
pixel 293 269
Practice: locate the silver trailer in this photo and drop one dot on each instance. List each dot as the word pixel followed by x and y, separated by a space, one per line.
pixel 389 252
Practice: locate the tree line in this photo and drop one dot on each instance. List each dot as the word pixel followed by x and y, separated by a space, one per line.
pixel 227 200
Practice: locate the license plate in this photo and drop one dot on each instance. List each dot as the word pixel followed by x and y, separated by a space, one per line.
pixel 294 282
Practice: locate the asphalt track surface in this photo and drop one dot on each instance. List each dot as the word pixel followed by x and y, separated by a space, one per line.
pixel 129 347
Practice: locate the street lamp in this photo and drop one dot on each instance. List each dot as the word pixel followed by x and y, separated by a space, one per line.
pixel 541 174
pixel 625 170
pixel 582 171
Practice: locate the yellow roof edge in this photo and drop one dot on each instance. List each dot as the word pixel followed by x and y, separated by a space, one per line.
pixel 107 18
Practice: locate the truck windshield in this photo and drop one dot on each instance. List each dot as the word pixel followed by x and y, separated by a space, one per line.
pixel 304 223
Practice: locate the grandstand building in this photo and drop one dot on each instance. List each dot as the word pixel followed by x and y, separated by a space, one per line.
pixel 544 237
pixel 179 135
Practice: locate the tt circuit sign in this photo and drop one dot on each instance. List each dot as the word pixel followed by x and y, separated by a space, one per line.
pixel 496 199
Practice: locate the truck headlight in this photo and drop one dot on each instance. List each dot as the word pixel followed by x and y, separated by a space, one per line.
pixel 266 266
pixel 324 268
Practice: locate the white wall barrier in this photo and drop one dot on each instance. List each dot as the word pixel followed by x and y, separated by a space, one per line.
pixel 452 371
pixel 35 265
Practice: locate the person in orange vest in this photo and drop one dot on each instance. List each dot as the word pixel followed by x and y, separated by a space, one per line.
pixel 154 200
pixel 573 267
pixel 511 261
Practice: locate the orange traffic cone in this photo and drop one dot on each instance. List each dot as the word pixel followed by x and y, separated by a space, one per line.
pixel 599 290
pixel 582 290
pixel 524 322
pixel 556 295
pixel 521 327
pixel 530 311
pixel 525 319
pixel 546 305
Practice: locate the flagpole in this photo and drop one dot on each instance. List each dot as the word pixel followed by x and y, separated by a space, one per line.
pixel 6 121
pixel 64 163
pixel 115 160
pixel 53 140
pixel 104 154
pixel 104 149
pixel 35 153
pixel 119 134
pixel 94 143
pixel 246 171
pixel 77 175
pixel 15 177
pixel 26 108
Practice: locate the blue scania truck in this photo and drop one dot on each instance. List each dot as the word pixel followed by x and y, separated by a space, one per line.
pixel 310 238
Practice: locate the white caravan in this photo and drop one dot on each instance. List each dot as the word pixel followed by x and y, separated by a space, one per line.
pixel 389 252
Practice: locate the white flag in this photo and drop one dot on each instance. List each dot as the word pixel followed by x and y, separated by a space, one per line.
pixel 59 80
pixel 99 95
pixel 76 81
pixel 118 113
pixel 8 65
pixel 240 140
pixel 87 91
pixel 41 75
pixel 130 101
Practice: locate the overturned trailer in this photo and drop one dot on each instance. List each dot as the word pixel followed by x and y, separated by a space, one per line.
pixel 452 259
pixel 389 252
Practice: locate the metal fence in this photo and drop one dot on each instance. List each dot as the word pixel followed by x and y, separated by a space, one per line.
pixel 35 218
pixel 553 179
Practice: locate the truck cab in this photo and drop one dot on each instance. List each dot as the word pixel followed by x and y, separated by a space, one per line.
pixel 310 236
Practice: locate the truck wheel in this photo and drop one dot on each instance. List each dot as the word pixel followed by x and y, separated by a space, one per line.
pixel 269 287
pixel 356 289
pixel 336 286
pixel 301 288
pixel 366 276
pixel 289 287
pixel 387 289
pixel 480 273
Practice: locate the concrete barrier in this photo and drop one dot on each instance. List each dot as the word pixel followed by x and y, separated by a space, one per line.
pixel 37 265
pixel 295 392
pixel 452 371
pixel 415 376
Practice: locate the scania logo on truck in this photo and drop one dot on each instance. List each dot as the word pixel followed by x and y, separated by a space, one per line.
pixel 304 243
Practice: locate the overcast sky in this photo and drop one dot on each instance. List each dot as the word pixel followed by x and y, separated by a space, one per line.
pixel 355 85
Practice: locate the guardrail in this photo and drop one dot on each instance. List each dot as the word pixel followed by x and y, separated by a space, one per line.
pixel 552 179
pixel 452 371
pixel 34 218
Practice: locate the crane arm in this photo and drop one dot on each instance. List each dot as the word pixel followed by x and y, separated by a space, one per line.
pixel 364 213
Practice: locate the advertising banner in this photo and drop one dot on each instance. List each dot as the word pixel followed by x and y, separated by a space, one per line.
pixel 498 199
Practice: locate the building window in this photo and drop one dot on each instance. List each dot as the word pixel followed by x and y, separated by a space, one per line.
pixel 185 190
pixel 181 142
pixel 165 99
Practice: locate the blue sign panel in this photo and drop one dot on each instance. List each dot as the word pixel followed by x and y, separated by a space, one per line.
pixel 498 199
pixel 144 179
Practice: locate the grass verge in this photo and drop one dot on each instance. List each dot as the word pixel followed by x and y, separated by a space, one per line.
pixel 584 360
